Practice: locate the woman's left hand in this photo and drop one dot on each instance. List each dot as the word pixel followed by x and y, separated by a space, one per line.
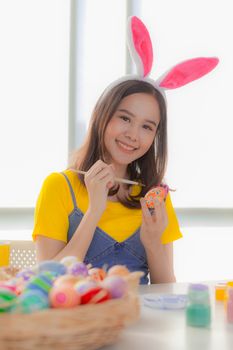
pixel 153 225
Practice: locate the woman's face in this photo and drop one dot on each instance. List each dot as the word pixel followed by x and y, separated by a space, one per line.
pixel 132 129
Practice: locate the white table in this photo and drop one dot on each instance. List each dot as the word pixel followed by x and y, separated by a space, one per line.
pixel 167 329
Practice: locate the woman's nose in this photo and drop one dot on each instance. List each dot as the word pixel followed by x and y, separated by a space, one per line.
pixel 132 133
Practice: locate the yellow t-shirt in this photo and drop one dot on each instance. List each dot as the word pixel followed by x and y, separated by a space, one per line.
pixel 54 205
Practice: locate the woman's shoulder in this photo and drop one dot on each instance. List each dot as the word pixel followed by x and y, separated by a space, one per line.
pixel 53 179
pixel 58 178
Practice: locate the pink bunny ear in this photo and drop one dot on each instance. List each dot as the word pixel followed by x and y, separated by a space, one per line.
pixel 188 71
pixel 140 46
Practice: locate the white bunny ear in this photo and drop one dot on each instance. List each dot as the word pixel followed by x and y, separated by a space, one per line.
pixel 187 71
pixel 140 45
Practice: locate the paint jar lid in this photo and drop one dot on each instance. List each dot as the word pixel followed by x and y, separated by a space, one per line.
pixel 165 301
pixel 198 293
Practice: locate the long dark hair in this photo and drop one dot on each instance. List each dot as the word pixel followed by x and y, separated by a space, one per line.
pixel 150 168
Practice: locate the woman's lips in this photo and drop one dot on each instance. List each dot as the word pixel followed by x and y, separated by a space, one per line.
pixel 124 147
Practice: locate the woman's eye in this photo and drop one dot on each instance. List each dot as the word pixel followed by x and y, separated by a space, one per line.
pixel 125 118
pixel 147 127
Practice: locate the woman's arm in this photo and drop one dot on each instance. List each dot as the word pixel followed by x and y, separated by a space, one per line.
pixel 159 255
pixel 160 262
pixel 98 180
pixel 47 248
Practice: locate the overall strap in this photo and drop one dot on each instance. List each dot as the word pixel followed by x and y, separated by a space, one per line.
pixel 71 190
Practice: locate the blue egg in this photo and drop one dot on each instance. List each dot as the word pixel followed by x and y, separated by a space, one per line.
pixel 43 282
pixel 30 301
pixel 53 266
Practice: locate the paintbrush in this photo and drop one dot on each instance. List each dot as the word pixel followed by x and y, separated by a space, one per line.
pixel 118 179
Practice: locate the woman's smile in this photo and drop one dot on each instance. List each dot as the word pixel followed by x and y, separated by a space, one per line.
pixel 125 147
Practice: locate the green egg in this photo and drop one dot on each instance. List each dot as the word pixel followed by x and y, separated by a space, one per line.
pixel 7 298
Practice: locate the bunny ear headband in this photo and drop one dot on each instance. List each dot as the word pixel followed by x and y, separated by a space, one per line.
pixel 140 47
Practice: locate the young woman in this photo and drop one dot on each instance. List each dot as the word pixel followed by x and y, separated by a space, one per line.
pixel 94 217
pixel 98 219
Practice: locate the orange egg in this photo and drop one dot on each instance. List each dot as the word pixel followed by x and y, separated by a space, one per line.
pixel 67 279
pixel 118 270
pixel 158 192
pixel 97 274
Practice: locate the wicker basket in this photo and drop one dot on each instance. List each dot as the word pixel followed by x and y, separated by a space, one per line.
pixel 84 327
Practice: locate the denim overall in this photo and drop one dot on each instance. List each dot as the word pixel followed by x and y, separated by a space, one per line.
pixel 106 251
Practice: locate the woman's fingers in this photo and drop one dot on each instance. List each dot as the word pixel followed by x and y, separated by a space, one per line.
pixel 96 168
pixel 145 211
pixel 164 213
pixel 99 171
pixel 160 214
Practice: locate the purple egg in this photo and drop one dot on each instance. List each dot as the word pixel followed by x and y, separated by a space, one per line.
pixel 78 269
pixel 116 285
pixel 25 274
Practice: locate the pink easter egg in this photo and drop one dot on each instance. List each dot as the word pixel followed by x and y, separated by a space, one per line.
pixel 64 296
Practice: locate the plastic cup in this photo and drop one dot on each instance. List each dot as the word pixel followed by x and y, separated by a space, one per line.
pixel 4 254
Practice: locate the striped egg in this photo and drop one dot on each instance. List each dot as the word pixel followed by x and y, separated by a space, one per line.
pixel 30 301
pixel 7 299
pixel 43 282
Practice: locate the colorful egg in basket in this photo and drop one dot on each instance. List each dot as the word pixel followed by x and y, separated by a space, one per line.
pixel 67 311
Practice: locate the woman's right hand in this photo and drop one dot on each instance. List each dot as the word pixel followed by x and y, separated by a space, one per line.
pixel 98 180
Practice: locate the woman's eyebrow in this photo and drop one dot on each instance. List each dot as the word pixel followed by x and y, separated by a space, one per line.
pixel 132 115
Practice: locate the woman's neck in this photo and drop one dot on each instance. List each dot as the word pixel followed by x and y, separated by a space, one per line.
pixel 120 171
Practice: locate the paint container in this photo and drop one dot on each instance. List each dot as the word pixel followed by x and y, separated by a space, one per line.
pixel 229 304
pixel 220 289
pixel 198 310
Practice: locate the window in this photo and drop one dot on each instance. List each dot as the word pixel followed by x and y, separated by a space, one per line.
pixel 34 67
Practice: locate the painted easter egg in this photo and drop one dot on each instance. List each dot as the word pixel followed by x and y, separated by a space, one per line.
pixel 64 296
pixel 9 286
pixel 42 282
pixel 116 285
pixel 52 266
pixel 159 192
pixel 78 269
pixel 25 274
pixel 69 260
pixel 67 279
pixel 84 285
pixel 97 274
pixel 95 295
pixel 119 270
pixel 30 301
pixel 91 292
pixel 7 298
